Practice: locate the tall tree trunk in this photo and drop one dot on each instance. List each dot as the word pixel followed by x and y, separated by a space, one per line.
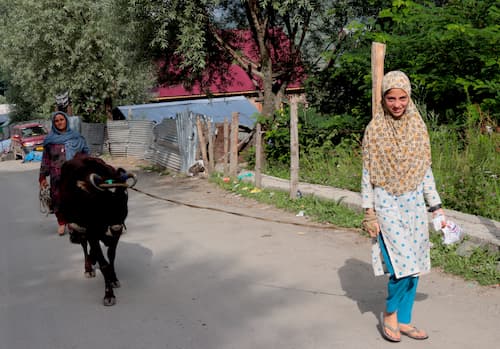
pixel 269 96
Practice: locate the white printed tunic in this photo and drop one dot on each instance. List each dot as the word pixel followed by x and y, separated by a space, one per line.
pixel 404 225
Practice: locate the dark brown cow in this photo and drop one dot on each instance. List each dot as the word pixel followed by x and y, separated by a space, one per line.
pixel 94 200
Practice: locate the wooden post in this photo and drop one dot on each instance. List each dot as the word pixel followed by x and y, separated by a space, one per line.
pixel 203 144
pixel 294 147
pixel 226 146
pixel 378 54
pixel 211 156
pixel 258 155
pixel 233 158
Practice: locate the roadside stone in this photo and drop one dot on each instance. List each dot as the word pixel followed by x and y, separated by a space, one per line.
pixel 490 248
pixel 466 248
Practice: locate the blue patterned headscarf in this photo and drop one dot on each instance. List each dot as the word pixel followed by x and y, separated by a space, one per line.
pixel 72 140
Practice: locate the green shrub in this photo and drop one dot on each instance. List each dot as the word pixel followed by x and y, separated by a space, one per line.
pixel 466 164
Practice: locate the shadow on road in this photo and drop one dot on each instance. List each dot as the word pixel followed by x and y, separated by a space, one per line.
pixel 368 291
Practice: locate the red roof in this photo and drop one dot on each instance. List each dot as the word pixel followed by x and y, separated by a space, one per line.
pixel 234 80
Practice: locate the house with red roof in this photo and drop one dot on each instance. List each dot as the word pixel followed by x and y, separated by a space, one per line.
pixel 232 79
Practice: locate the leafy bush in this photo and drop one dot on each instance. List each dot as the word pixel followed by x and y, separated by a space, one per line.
pixel 467 167
pixel 317 133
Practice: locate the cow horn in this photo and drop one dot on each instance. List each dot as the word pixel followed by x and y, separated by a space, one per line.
pixel 92 178
pixel 134 177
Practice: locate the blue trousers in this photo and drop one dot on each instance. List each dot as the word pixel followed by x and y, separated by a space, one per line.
pixel 400 292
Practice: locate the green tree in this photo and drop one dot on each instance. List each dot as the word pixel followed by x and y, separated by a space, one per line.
pixel 342 85
pixel 450 49
pixel 52 46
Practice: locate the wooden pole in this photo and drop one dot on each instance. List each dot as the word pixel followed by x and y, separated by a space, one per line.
pixel 378 54
pixel 294 147
pixel 203 144
pixel 226 146
pixel 258 155
pixel 211 156
pixel 233 157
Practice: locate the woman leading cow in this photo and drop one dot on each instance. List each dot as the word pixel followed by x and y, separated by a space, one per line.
pixel 61 144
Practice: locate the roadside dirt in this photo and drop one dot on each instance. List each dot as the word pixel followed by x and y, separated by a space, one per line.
pixel 199 192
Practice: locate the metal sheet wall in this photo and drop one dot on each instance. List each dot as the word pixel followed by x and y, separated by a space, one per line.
pixel 118 137
pixel 188 139
pixel 140 137
pixel 171 144
pixel 130 138
pixel 94 134
pixel 166 151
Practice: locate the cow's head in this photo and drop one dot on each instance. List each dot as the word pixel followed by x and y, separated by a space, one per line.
pixel 108 188
pixel 119 180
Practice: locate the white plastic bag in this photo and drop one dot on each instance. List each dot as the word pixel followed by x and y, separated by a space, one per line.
pixel 451 231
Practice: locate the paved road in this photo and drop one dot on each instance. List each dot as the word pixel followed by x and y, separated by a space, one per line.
pixel 205 279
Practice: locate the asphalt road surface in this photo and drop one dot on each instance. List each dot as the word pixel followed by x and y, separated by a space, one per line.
pixel 195 276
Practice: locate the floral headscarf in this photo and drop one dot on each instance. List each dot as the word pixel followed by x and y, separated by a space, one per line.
pixel 396 152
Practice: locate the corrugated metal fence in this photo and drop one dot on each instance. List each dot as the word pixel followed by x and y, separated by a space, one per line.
pixel 94 134
pixel 171 144
pixel 130 138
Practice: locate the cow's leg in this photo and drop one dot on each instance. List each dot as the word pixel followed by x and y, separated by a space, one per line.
pixel 89 263
pixel 116 231
pixel 115 283
pixel 106 270
pixel 77 235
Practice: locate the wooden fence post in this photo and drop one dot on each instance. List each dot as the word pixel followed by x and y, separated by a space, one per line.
pixel 377 57
pixel 211 156
pixel 294 147
pixel 203 143
pixel 233 158
pixel 258 155
pixel 226 146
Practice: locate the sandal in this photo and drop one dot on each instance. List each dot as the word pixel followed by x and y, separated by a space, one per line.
pixel 384 327
pixel 413 333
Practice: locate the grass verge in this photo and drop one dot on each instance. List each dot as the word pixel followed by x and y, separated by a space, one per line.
pixel 319 210
pixel 479 264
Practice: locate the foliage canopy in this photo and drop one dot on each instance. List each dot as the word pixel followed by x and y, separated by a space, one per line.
pixel 52 46
pixel 450 50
